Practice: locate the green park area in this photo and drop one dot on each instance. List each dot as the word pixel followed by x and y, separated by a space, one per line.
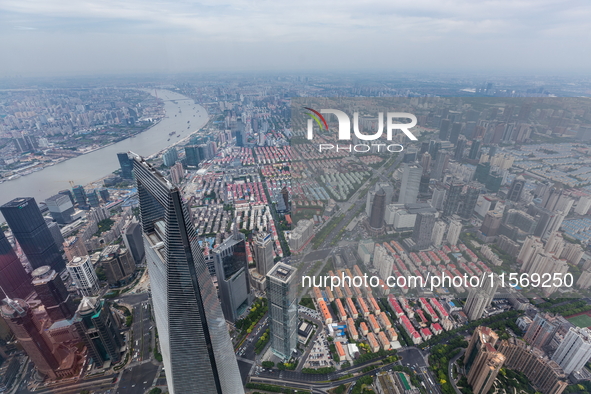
pixel 580 321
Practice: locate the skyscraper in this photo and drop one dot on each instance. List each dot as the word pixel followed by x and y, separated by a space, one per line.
pixel 482 361
pixel 170 157
pixel 469 200
pixel 574 351
pixel 132 236
pixel 15 281
pixel 99 331
pixel 378 210
pixel 263 252
pixel 53 293
pixel 79 194
pixel 118 264
pixel 454 197
pixel 61 208
pixel 409 188
pixel 423 229
pixel 283 310
pixel 231 269
pixel 474 149
pixel 192 156
pixel 460 147
pixel 444 129
pixel 516 188
pixel 456 129
pixel 480 297
pixel 126 165
pixel 30 230
pixel 194 340
pixel 542 329
pixel 82 273
pixel 453 233
pixel 19 317
pixel 440 164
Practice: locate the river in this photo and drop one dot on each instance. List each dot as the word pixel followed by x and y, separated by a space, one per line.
pixel 100 163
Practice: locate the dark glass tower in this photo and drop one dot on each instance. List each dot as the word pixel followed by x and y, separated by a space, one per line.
pixel 126 165
pixel 378 210
pixel 79 194
pixel 516 188
pixel 15 281
pixel 193 334
pixel 53 294
pixel 30 230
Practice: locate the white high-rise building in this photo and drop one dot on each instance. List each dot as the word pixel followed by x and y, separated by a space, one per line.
pixel 479 298
pixel 583 205
pixel 574 351
pixel 382 261
pixel 82 273
pixel 530 248
pixel 438 233
pixel 453 232
pixel 409 187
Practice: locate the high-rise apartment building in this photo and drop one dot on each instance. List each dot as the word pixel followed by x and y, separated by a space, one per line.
pixel 193 335
pixel 423 229
pixel 263 252
pixel 542 329
pixel 409 188
pixel 14 280
pixel 283 310
pixel 170 157
pixel 479 298
pixel 574 351
pixel 118 264
pixel 30 230
pixel 438 233
pixel 486 367
pixel 453 232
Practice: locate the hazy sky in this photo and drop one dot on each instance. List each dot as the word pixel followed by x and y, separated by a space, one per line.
pixel 108 36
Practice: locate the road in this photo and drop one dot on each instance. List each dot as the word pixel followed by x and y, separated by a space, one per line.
pixel 450 371
pixel 413 358
pixel 245 354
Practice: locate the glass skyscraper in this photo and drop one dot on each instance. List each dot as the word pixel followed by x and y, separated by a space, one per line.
pixel 193 334
pixel 30 230
pixel 283 310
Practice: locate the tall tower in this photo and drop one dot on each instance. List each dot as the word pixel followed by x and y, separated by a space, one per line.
pixel 53 293
pixel 283 309
pixel 409 188
pixel 263 252
pixel 516 188
pixel 423 229
pixel 126 165
pixel 99 330
pixel 574 351
pixel 378 210
pixel 30 230
pixel 485 361
pixel 194 340
pixel 14 280
pixel 480 297
pixel 19 317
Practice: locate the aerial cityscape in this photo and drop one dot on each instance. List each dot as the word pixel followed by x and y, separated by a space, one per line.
pixel 244 234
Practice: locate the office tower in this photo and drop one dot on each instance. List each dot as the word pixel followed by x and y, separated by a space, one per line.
pixel 53 293
pixel 192 157
pixel 83 274
pixel 79 195
pixel 19 317
pixel 194 340
pixel 454 197
pixel 470 198
pixel 388 188
pixel 231 269
pixel 30 230
pixel 92 198
pixel 117 263
pixel 574 351
pixel 438 233
pixel 485 368
pixel 424 184
pixel 491 223
pixel 104 193
pixel 426 162
pixel 126 165
pixel 61 208
pixel 482 171
pixel 545 375
pixel 283 310
pixel 410 156
pixel 132 237
pixel 438 199
pixel 516 188
pixel 378 210
pixel 409 188
pixel 14 280
pixel 479 298
pixel 460 147
pixel 99 331
pixel 494 182
pixel 475 149
pixel 56 234
pixel 285 197
pixel 423 229
pixel 453 232
pixel 263 252
pixel 170 157
pixel 444 129
pixel 440 165
pixel 480 338
pixel 68 193
pixel 456 129
pixel 542 329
